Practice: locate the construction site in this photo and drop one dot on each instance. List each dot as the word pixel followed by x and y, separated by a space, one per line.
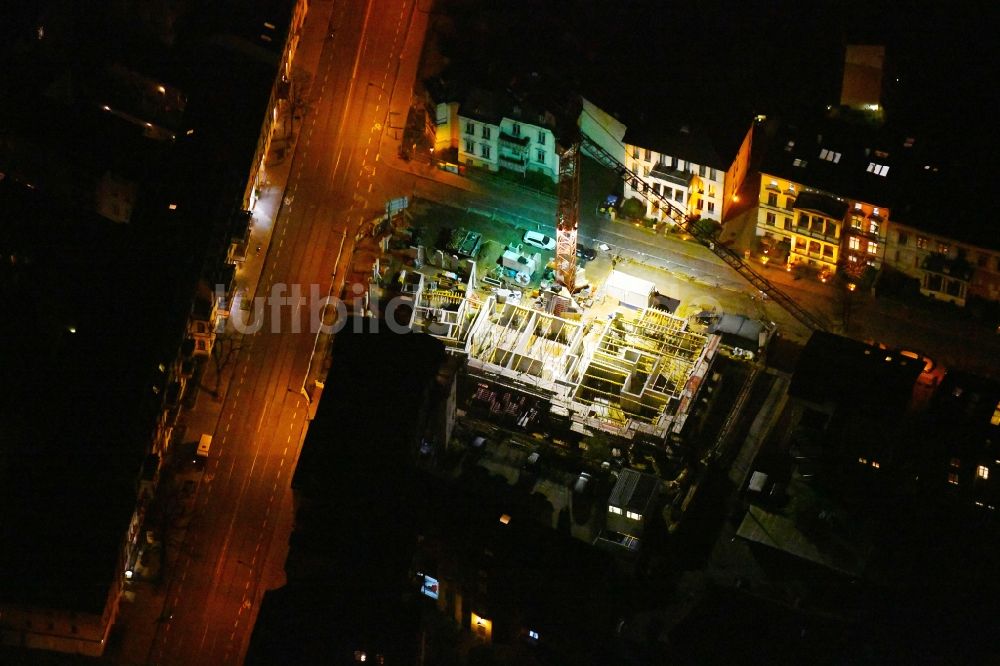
pixel 619 370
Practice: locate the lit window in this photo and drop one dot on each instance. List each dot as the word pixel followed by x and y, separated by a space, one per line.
pixel 799 163
pixel 863 461
pixel 633 515
pixel 876 464
pixel 504 519
pixel 533 635
pixel 854 243
pixel 996 416
pixel 774 183
pixel 615 510
pixel 829 155
pixel 872 248
pixel 953 478
pixel 857 205
pixel 983 472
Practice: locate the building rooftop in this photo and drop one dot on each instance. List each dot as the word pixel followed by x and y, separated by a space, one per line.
pixel 839 371
pixel 633 491
pixel 844 157
pixel 681 141
pixel 821 203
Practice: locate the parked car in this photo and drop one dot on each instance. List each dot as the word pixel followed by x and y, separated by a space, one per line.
pixel 582 482
pixel 586 253
pixel 539 240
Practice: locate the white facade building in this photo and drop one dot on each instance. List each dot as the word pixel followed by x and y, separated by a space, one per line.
pixel 493 131
pixel 681 167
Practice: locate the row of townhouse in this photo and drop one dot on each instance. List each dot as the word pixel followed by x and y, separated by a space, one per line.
pixel 843 196
pixel 827 188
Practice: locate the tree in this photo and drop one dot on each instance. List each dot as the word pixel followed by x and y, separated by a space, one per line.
pixel 632 209
pixel 706 228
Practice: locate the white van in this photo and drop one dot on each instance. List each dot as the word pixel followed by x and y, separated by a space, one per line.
pixel 204 446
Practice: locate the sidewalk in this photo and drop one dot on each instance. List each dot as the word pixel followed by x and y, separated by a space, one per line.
pixel 144 606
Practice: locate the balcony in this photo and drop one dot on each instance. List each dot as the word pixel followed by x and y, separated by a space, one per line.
pixel 513 163
pixel 818 256
pixel 514 143
pixel 818 235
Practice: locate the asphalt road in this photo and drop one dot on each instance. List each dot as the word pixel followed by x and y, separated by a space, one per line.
pixel 234 547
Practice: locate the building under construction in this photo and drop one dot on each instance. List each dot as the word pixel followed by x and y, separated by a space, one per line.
pixel 627 375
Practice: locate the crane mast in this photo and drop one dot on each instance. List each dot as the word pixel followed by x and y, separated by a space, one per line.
pixel 567 215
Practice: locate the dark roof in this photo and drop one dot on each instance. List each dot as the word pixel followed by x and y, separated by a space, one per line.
pixel 835 155
pixel 633 491
pixel 483 105
pixel 965 405
pixel 491 106
pixel 355 408
pixel 737 329
pixel 684 141
pixel 919 172
pixel 838 370
pixel 943 198
pixel 821 203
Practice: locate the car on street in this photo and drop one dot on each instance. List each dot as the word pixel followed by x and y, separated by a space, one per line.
pixel 539 240
pixel 586 253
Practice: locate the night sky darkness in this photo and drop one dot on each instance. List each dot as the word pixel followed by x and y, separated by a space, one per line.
pixel 725 61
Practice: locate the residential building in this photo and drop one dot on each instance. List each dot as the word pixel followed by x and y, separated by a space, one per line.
pixel 966 434
pixel 824 194
pixel 96 382
pixel 496 130
pixel 942 243
pixel 629 505
pixel 848 398
pixel 680 164
pixel 861 87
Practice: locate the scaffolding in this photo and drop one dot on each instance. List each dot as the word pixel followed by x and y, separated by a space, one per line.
pixel 638 372
pixel 624 377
